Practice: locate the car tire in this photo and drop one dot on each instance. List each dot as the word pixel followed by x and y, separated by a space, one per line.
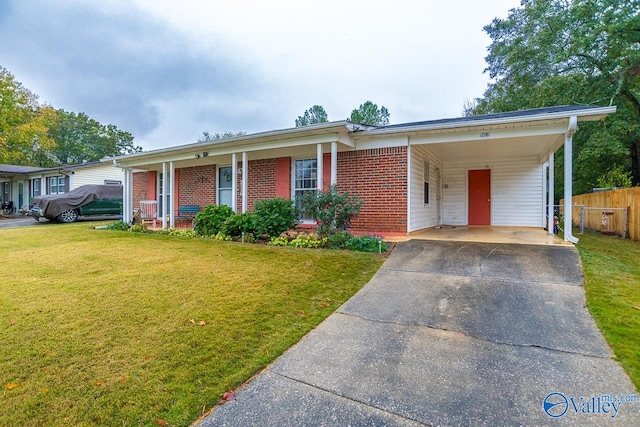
pixel 68 216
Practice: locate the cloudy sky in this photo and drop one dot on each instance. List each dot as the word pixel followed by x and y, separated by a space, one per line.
pixel 167 70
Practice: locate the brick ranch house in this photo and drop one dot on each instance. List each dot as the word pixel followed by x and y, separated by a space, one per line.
pixel 490 170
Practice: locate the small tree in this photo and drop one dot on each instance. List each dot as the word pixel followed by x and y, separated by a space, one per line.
pixel 369 114
pixel 312 116
pixel 332 211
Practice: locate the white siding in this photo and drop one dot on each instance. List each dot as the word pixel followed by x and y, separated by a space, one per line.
pixel 516 191
pixel 95 175
pixel 420 215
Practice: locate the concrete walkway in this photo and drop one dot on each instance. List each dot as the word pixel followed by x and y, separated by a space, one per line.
pixel 448 333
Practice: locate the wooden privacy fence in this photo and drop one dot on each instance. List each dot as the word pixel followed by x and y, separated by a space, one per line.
pixel 602 211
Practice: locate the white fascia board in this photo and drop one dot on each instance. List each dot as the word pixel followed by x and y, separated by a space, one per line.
pixel 299 133
pixel 582 114
pixel 222 149
pixel 382 142
pixel 487 134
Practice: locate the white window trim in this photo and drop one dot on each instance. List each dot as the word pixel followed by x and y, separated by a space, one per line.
pixel 218 183
pixel 293 182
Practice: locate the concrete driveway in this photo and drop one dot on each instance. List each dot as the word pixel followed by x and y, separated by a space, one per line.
pixel 449 333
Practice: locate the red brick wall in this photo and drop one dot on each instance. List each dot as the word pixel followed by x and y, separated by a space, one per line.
pixel 140 188
pixel 196 186
pixel 379 177
pixel 262 181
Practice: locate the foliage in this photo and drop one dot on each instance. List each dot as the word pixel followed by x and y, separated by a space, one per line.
pixel 39 135
pixel 274 216
pixel 339 239
pixel 615 178
pixel 312 116
pixel 182 232
pixel 612 286
pixel 81 139
pixel 367 243
pixel 126 329
pixel 331 210
pixel 302 240
pixel 210 137
pixel 139 228
pixel 369 114
pixel 554 52
pixel 240 223
pixel 220 235
pixel 118 225
pixel 209 222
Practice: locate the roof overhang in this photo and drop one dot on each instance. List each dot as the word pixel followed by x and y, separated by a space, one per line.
pixel 525 135
pixel 275 140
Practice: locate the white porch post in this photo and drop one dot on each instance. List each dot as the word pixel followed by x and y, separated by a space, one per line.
pixel 568 179
pixel 234 183
pixel 172 187
pixel 319 168
pixel 334 163
pixel 127 197
pixel 551 200
pixel 245 179
pixel 163 208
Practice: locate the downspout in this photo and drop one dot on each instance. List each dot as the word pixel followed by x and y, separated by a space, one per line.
pixel 568 180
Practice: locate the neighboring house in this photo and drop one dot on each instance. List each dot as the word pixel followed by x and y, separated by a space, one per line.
pixel 482 170
pixel 20 183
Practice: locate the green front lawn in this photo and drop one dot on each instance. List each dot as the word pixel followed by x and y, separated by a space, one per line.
pixel 119 328
pixel 612 283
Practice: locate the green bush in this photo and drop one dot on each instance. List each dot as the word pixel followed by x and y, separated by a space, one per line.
pixel 118 225
pixel 139 228
pixel 209 222
pixel 332 211
pixel 278 241
pixel 367 243
pixel 274 216
pixel 237 224
pixel 339 239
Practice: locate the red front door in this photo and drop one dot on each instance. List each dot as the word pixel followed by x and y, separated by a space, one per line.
pixel 480 197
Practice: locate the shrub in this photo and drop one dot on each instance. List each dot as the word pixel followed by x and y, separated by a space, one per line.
pixel 118 225
pixel 339 239
pixel 367 243
pixel 309 241
pixel 278 241
pixel 332 211
pixel 237 224
pixel 209 221
pixel 139 228
pixel 274 216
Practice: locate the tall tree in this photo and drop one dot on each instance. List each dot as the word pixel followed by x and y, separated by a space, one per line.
pixel 369 114
pixel 79 139
pixel 210 137
pixel 553 52
pixel 312 116
pixel 23 124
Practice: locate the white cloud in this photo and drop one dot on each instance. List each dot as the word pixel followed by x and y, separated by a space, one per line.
pixel 168 70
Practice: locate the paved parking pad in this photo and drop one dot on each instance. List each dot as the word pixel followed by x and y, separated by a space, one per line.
pixel 449 333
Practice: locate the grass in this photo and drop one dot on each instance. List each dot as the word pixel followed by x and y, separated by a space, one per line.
pixel 612 284
pixel 118 328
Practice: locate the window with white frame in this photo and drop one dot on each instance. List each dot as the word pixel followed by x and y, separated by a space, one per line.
pixel 225 183
pixel 57 184
pixel 426 183
pixel 164 205
pixel 36 189
pixel 305 180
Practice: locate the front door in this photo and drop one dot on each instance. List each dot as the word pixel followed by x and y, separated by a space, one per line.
pixel 479 197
